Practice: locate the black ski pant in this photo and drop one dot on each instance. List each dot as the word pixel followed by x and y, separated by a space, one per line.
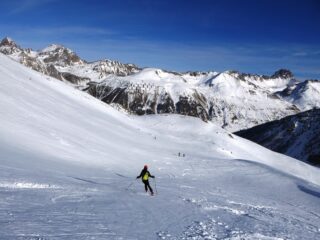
pixel 147 185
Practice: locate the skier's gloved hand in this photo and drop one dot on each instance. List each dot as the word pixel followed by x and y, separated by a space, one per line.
pixel 153 176
pixel 137 177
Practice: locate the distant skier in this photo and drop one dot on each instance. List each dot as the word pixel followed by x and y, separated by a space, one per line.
pixel 145 174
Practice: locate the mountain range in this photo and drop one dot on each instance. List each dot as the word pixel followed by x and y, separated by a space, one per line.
pixel 233 100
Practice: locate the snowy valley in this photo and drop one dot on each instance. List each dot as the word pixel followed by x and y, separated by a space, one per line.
pixel 69 162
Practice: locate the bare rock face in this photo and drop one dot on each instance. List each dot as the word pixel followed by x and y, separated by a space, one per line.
pixel 143 102
pixel 186 106
pixel 282 73
pixel 74 79
pixel 165 104
pixel 52 71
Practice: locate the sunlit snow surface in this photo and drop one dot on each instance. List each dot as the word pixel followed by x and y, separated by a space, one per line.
pixel 68 165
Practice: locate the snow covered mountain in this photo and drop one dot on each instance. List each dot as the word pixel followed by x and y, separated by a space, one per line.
pixel 230 99
pixel 62 63
pixel 68 164
pixel 305 95
pixel 297 136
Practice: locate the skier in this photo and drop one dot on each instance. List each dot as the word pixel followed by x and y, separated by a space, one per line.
pixel 145 174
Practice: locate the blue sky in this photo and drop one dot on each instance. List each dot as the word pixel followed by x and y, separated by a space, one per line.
pixel 255 36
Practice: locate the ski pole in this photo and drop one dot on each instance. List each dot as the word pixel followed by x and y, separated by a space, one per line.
pixel 155 186
pixel 127 188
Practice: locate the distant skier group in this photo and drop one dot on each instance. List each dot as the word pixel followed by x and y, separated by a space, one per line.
pixel 181 154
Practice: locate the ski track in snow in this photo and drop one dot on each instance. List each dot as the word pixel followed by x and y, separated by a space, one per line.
pixel 26 185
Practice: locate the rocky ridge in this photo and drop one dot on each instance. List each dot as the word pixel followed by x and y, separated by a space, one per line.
pixel 297 136
pixel 62 63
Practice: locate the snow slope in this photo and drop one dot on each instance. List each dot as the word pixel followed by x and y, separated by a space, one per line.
pixel 68 164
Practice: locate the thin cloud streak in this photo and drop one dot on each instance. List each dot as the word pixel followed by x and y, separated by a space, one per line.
pixel 27 5
pixel 56 32
pixel 66 30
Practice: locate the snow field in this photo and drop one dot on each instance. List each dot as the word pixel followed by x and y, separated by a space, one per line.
pixel 68 165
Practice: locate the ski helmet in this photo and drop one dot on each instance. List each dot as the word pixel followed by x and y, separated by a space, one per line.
pixel 145 166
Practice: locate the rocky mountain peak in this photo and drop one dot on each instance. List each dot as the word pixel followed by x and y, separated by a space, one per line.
pixel 196 73
pixel 60 56
pixel 105 67
pixel 8 46
pixel 282 73
pixel 8 42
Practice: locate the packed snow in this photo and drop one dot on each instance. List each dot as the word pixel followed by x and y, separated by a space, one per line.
pixel 69 163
